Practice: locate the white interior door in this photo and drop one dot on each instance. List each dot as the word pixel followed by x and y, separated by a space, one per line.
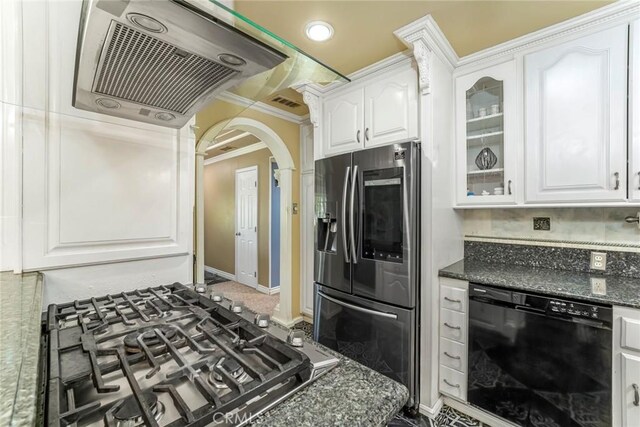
pixel 247 226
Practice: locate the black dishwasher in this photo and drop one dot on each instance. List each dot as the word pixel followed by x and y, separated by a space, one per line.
pixel 539 361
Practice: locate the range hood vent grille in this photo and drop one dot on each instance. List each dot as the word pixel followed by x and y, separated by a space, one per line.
pixel 146 70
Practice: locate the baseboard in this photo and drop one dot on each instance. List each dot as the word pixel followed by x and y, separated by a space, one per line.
pixel 220 273
pixel 431 412
pixel 478 414
pixel 267 290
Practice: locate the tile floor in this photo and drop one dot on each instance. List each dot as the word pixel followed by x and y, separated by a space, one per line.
pixel 448 417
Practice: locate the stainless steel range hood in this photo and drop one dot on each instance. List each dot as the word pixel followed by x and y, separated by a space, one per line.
pixel 160 61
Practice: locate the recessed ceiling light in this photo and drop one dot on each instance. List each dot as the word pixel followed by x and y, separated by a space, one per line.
pixel 319 31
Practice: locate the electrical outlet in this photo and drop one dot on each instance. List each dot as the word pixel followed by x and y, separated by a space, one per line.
pixel 541 223
pixel 598 286
pixel 598 260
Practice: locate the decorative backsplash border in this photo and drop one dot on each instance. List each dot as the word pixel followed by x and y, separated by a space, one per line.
pixel 619 262
pixel 608 246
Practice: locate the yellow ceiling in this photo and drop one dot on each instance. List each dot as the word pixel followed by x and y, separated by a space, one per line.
pixel 364 29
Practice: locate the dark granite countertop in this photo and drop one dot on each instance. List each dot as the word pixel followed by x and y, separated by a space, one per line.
pixel 623 291
pixel 20 303
pixel 349 395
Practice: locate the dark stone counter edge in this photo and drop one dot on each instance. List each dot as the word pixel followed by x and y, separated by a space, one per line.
pixel 508 285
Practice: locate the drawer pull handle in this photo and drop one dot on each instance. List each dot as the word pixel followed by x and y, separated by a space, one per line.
pixel 617 177
pixel 451 385
pixel 452 327
pixel 452 300
pixel 453 357
pixel 636 395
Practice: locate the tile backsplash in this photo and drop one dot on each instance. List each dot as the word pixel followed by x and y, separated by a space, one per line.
pixel 580 226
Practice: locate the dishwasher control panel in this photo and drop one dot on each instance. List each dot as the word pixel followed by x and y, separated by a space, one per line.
pixel 574 309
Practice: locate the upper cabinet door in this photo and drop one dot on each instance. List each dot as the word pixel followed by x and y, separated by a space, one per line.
pixel 634 112
pixel 344 122
pixel 575 120
pixel 391 109
pixel 486 135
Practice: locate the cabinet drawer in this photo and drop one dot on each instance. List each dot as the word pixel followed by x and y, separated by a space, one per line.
pixel 453 354
pixel 453 298
pixel 630 377
pixel 453 325
pixel 630 334
pixel 453 383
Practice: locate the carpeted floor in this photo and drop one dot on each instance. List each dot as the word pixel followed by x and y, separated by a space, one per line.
pixel 252 299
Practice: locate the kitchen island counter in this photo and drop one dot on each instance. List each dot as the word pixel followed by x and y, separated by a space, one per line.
pixel 20 311
pixel 348 395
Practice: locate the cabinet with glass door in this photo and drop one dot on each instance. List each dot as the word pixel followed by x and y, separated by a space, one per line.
pixel 486 150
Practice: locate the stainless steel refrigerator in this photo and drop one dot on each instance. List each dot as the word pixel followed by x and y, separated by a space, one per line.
pixel 366 264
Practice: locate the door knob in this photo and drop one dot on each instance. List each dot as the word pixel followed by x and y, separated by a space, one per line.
pixel 237 234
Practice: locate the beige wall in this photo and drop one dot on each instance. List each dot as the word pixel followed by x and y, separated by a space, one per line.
pixel 603 225
pixel 290 134
pixel 219 212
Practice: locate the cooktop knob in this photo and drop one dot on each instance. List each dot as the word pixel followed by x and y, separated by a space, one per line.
pixel 200 288
pixel 262 320
pixel 216 297
pixel 296 338
pixel 236 307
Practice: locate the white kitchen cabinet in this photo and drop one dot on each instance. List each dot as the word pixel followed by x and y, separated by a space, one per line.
pixel 634 111
pixel 344 122
pixel 626 367
pixel 453 353
pixel 378 111
pixel 486 135
pixel 391 109
pixel 575 120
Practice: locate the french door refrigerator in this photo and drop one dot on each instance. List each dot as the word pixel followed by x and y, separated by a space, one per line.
pixel 366 263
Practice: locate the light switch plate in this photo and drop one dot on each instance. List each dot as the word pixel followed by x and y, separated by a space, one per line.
pixel 598 286
pixel 598 261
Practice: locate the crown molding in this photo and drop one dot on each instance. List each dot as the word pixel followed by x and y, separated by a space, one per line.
pixel 615 13
pixel 261 107
pixel 235 153
pixel 426 31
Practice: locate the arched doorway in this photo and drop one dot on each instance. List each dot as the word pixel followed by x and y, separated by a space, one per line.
pixel 286 166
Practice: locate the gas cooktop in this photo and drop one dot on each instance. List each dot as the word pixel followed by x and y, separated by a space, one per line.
pixel 168 356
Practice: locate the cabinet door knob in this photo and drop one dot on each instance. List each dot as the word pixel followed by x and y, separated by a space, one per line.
pixel 617 176
pixel 509 187
pixel 358 135
pixel 636 395
pixel 366 134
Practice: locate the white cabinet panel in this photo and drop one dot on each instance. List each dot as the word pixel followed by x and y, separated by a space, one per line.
pixel 97 192
pixel 630 389
pixel 634 112
pixel 453 383
pixel 344 122
pixel 391 109
pixel 575 115
pixel 453 325
pixel 453 354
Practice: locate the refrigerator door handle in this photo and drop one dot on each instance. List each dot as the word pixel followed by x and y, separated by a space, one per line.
pixel 358 308
pixel 354 185
pixel 345 188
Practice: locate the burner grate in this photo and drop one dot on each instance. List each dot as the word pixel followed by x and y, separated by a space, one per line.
pixel 182 340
